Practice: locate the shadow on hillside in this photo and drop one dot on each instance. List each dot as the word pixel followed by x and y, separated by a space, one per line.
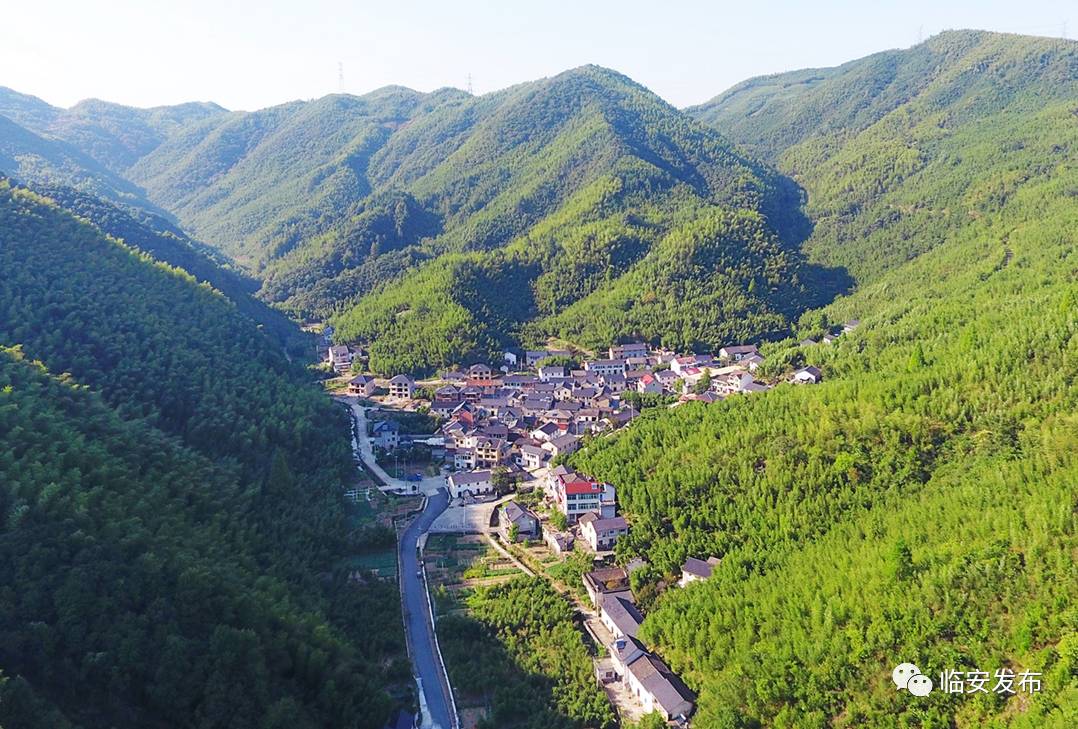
pixel 520 697
pixel 822 284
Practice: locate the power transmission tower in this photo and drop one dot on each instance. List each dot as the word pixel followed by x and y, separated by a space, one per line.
pixel 340 76
pixel 920 34
pixel 470 91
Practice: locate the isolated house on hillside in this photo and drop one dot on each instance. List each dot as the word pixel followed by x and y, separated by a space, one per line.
pixel 807 376
pixel 696 570
pixel 340 358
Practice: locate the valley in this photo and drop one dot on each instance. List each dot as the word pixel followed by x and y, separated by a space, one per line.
pixel 639 416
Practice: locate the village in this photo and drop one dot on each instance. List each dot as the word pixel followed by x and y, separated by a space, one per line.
pixel 498 443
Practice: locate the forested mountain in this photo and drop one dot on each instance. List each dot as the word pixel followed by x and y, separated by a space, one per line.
pixel 259 183
pixel 583 195
pixel 171 492
pixel 33 158
pixel 167 243
pixel 901 148
pixel 919 504
pixel 89 146
pixel 115 136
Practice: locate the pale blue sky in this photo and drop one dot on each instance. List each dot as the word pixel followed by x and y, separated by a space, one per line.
pixel 247 55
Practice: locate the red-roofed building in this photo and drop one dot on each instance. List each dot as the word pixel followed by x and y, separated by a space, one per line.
pixel 576 496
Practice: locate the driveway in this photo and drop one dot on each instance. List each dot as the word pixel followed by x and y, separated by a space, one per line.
pixel 435 698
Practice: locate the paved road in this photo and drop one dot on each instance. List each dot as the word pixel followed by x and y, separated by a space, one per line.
pixel 435 697
pixel 362 447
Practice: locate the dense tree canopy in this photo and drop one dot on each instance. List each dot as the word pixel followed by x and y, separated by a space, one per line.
pixel 919 504
pixel 170 492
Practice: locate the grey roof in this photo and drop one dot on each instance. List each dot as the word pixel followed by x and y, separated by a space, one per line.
pixel 622 613
pixel 628 649
pixel 391 425
pixel 563 441
pixel 463 479
pixel 516 513
pixel 740 348
pixel 669 691
pixel 699 567
pixel 360 380
pixel 533 450
pixel 401 379
pixel 614 522
pixel 810 370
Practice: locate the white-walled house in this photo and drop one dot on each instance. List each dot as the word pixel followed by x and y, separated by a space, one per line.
pixel 737 352
pixel 602 534
pixel 340 358
pixel 807 376
pixel 697 570
pixel 658 689
pixel 472 483
pixel 620 615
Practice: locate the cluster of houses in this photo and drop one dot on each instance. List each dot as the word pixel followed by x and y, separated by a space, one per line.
pixel 646 677
pixel 525 419
pixel 588 505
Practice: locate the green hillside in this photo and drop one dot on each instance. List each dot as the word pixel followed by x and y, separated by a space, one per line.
pixel 579 194
pixel 898 150
pixel 89 146
pixel 46 161
pixel 583 194
pixel 113 135
pixel 171 490
pixel 166 243
pixel 919 505
pixel 259 183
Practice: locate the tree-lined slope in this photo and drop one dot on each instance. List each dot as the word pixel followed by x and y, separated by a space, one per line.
pixel 918 505
pixel 170 487
pixel 900 149
pixel 583 185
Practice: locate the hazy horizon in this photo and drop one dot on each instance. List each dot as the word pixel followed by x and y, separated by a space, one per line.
pixel 250 56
